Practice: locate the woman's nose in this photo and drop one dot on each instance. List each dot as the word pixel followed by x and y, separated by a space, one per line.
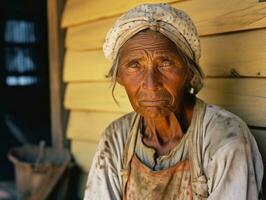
pixel 152 80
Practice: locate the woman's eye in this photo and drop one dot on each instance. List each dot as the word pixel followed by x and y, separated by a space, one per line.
pixel 133 65
pixel 166 63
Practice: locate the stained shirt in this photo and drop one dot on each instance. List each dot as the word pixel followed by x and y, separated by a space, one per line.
pixel 231 159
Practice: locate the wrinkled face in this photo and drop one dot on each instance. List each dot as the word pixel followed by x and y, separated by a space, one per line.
pixel 153 74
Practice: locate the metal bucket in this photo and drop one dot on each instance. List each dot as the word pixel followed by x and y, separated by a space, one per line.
pixel 34 166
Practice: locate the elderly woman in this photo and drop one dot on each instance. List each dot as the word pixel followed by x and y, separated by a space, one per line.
pixel 174 146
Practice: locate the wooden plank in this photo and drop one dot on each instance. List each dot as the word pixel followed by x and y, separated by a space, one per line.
pixel 89 125
pixel 245 97
pixel 235 53
pixel 88 36
pixel 210 17
pixel 221 55
pixel 96 97
pixel 56 54
pixel 80 11
pixel 83 152
pixel 85 66
pixel 214 16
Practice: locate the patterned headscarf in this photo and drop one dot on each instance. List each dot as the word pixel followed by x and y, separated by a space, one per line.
pixel 173 23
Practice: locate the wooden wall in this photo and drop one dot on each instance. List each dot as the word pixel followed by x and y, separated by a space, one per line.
pixel 233 37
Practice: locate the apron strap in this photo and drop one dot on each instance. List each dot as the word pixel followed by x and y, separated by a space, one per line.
pixel 195 142
pixel 129 150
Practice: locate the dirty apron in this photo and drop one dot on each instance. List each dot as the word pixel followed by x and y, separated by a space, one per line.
pixel 182 181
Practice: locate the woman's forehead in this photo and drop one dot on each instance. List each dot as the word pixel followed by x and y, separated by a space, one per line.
pixel 148 41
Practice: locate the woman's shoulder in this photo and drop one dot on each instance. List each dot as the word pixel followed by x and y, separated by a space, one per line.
pixel 219 117
pixel 222 127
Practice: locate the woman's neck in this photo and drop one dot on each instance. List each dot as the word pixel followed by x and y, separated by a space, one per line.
pixel 164 133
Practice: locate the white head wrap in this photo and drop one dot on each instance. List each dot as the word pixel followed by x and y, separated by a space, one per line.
pixel 173 23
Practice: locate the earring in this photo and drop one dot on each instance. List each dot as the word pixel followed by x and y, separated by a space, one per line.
pixel 191 90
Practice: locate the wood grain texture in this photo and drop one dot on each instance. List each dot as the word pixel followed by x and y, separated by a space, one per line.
pixel 86 125
pixel 214 16
pixel 89 36
pixel 80 11
pixel 210 17
pixel 239 54
pixel 85 66
pixel 244 97
pixel 96 97
pixel 83 151
pixel 222 55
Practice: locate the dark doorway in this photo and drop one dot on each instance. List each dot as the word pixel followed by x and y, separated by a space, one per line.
pixel 24 78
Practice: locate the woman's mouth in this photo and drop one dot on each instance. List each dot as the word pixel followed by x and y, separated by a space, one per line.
pixel 153 103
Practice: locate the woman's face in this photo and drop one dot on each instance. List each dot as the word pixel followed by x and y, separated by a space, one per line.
pixel 153 74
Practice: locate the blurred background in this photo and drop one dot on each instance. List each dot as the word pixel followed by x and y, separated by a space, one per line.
pixel 24 78
pixel 53 86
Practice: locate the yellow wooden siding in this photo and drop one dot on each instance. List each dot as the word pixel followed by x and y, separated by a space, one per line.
pixel 88 36
pixel 222 55
pixel 88 125
pixel 85 66
pixel 242 52
pixel 80 11
pixel 96 97
pixel 211 16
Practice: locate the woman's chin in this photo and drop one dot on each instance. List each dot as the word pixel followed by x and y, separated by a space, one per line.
pixel 154 112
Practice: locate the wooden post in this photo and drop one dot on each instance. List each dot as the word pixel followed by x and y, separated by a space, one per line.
pixel 56 38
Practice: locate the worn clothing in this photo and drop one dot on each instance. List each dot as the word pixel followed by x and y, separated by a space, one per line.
pixel 197 180
pixel 231 161
pixel 173 183
pixel 175 24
